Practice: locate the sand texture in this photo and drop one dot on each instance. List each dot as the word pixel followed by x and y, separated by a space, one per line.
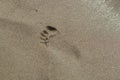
pixel 59 40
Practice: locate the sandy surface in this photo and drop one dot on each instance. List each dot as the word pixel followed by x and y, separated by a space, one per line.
pixel 87 46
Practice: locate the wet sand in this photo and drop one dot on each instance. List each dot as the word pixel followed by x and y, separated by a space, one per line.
pixel 83 46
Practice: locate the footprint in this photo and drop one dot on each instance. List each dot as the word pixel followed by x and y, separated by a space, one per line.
pixel 47 34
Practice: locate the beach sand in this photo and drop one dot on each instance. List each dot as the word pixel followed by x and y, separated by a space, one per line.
pixel 84 46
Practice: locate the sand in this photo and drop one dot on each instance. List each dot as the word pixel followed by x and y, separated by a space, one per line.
pixel 84 46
